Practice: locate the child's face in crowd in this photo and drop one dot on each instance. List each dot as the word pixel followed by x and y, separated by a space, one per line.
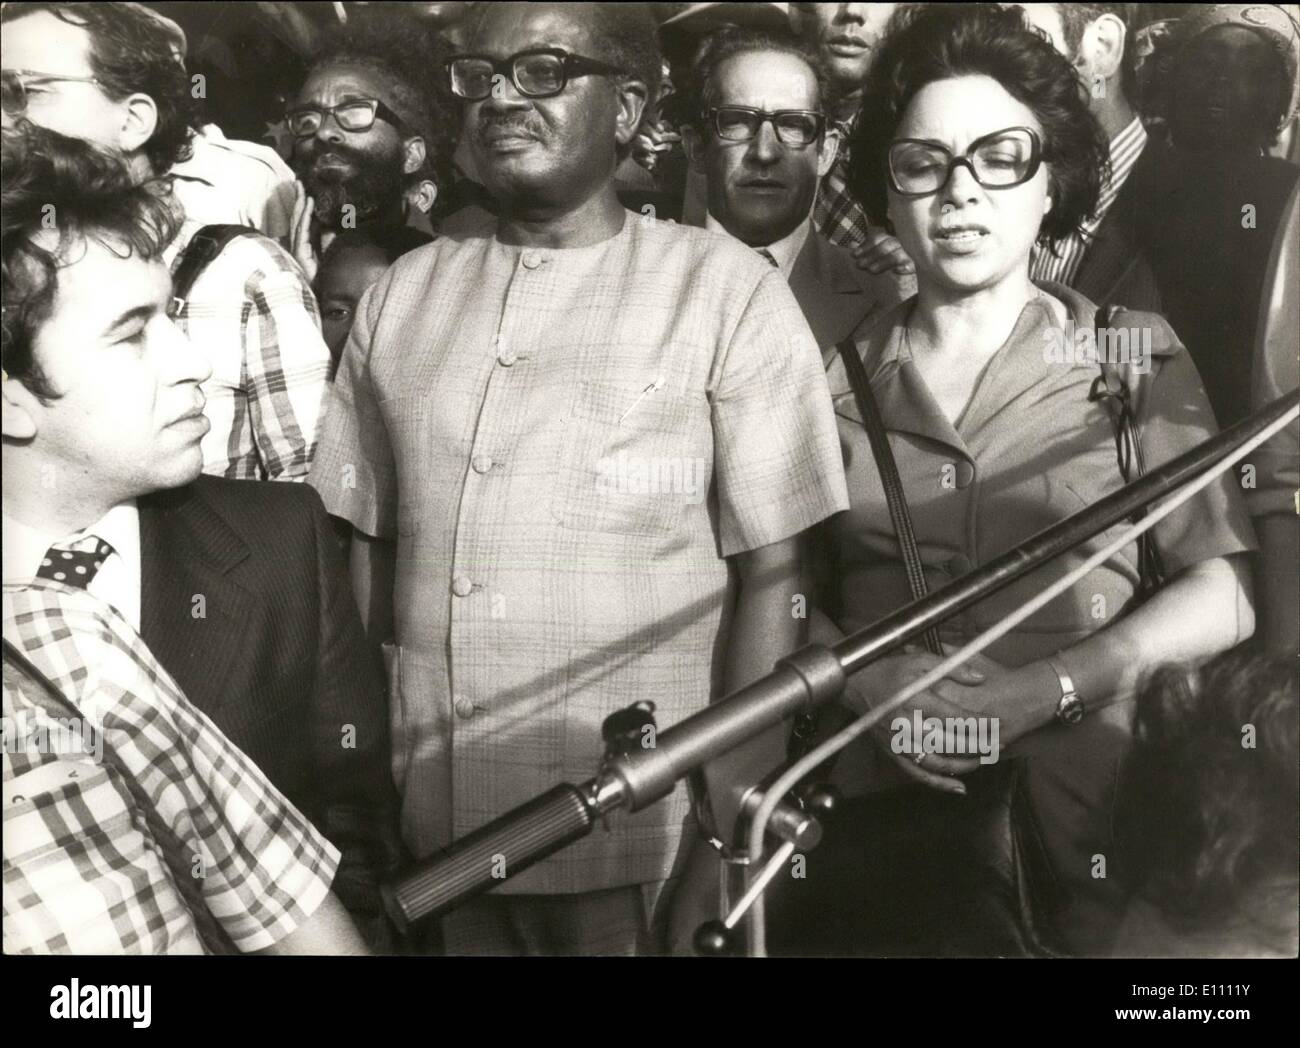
pixel 344 278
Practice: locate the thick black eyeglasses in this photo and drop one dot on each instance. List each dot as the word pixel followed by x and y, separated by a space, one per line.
pixel 356 114
pixel 796 128
pixel 14 87
pixel 540 72
pixel 1001 160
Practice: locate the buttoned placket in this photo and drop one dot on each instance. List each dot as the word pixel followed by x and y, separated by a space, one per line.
pixel 494 433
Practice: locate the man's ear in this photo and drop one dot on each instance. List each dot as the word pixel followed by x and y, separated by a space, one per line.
pixel 827 151
pixel 139 122
pixel 1103 43
pixel 423 195
pixel 17 410
pixel 632 98
pixel 414 152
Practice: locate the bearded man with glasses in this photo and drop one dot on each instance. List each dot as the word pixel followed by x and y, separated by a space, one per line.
pixel 577 453
pixel 367 126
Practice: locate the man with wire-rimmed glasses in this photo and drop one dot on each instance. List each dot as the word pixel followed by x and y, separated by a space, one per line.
pixel 577 451
pixel 113 74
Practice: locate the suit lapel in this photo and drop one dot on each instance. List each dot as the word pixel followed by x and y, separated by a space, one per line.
pixel 193 617
pixel 833 302
pixel 1108 259
pixel 1114 251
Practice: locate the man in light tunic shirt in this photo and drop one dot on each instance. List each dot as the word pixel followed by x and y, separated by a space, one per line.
pixel 577 453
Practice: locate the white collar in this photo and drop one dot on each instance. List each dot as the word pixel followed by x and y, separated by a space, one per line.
pixel 25 546
pixel 785 250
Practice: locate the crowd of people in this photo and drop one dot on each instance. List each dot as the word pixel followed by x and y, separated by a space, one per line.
pixel 610 353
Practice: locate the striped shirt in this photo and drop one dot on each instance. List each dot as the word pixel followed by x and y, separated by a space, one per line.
pixel 1125 148
pixel 253 313
pixel 836 212
pixel 82 871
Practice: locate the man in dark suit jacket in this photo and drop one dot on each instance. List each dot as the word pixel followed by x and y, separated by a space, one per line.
pixel 1114 269
pixel 237 588
pixel 245 601
pixel 1109 267
pixel 835 294
pixel 761 181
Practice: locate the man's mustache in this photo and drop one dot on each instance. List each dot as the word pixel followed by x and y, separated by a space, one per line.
pixel 308 156
pixel 520 124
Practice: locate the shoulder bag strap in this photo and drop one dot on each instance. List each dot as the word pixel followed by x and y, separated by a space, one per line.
pixel 1111 387
pixel 893 484
pixel 204 246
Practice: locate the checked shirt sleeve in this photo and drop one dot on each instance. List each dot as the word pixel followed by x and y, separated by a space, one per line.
pixel 264 868
pixel 286 369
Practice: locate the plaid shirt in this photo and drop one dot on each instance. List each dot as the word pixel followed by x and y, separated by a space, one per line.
pixel 253 313
pixel 565 450
pixel 82 873
pixel 836 212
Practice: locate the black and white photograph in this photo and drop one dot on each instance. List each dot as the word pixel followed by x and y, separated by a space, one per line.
pixel 804 481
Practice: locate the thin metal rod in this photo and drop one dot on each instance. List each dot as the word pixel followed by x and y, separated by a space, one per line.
pixel 757 938
pixel 868 644
pixel 759 884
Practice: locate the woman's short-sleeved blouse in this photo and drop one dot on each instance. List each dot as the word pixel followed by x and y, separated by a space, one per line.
pixel 1029 450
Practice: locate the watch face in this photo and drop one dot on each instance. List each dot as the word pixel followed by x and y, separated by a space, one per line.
pixel 1071 709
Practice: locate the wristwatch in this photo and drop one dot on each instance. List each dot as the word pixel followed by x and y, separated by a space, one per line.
pixel 1070 709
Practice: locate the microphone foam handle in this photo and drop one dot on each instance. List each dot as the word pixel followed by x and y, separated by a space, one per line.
pixel 490 855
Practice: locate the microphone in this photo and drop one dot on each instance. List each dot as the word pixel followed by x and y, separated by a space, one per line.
pixel 809 677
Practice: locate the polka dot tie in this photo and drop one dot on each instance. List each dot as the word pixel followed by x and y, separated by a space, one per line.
pixel 75 567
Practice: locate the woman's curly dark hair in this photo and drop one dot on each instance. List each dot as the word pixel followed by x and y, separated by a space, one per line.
pixel 934 42
pixel 1207 805
pixel 131 52
pixel 49 182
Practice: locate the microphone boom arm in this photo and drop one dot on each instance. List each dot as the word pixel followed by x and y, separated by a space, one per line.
pixel 808 678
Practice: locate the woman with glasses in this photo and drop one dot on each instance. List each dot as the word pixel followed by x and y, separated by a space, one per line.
pixel 974 144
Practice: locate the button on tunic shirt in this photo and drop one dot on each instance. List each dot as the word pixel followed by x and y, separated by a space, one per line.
pixel 565 445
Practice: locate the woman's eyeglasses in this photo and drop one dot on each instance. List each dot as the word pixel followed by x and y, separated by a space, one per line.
pixel 17 85
pixel 537 73
pixel 1001 160
pixel 796 128
pixel 356 114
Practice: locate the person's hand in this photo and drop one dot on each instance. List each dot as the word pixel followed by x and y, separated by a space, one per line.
pixel 887 677
pixel 650 141
pixel 980 661
pixel 880 253
pixel 1020 699
pixel 304 208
